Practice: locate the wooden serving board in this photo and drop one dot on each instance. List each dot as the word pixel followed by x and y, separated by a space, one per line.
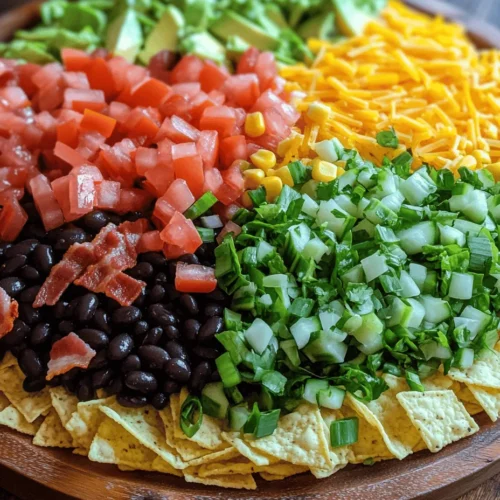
pixel 39 473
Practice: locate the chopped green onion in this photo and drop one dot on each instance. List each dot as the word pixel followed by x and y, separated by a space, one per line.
pixel 202 205
pixel 191 416
pixel 344 432
pixel 207 235
pixel 387 139
pixel 228 372
pixel 413 381
pixel 261 424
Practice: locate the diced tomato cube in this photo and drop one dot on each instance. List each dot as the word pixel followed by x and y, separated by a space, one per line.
pixel 145 159
pixel 46 203
pixel 160 178
pixel 12 219
pixel 67 133
pixel 25 73
pixel 150 242
pixel 118 160
pixel 48 75
pixel 212 76
pixel 69 155
pixel 150 93
pixel 49 97
pixel 119 111
pixel 270 101
pixel 14 97
pixel 81 194
pixel 187 70
pixel 89 170
pixel 75 80
pixel 89 144
pixel 160 64
pixel 179 196
pixel 60 187
pixel 218 97
pixel 219 118
pixel 233 177
pixel 177 130
pixel 248 61
pixel 107 195
pixel 198 104
pixel 242 90
pixel 192 278
pixel 80 99
pixel 176 105
pixel 232 149
pixel 163 211
pixel 143 124
pixel 230 227
pixel 188 165
pixel 181 232
pixel 98 122
pixel 187 90
pixel 227 195
pixel 213 180
pixel 165 152
pixel 75 60
pixel 266 70
pixel 226 212
pixel 208 147
pixel 133 200
pixel 101 77
pixel 173 252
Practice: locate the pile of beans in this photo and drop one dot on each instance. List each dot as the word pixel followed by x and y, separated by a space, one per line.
pixel 144 352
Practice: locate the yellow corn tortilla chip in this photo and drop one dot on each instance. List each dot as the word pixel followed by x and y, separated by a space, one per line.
pixel 11 417
pixel 215 456
pixel 159 465
pixel 145 425
pixel 464 394
pixel 271 477
pixel 439 416
pixel 387 415
pixel 299 439
pixel 114 445
pixel 484 372
pixel 52 434
pixel 83 452
pixel 255 456
pixel 238 481
pixel 4 402
pixel 488 398
pixel 8 361
pixel 208 435
pixel 64 403
pixel 31 405
pixel 437 382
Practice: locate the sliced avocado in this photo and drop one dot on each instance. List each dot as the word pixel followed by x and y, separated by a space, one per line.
pixel 204 45
pixel 235 47
pixel 321 26
pixel 351 21
pixel 232 24
pixel 165 36
pixel 274 14
pixel 124 36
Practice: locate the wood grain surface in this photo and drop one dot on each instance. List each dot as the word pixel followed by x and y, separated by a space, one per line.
pixel 448 475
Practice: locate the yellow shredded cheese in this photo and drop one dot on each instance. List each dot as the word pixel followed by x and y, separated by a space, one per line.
pixel 416 73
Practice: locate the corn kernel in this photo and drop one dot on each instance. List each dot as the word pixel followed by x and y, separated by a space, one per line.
pixel 273 186
pixel 469 162
pixel 246 201
pixel 264 159
pixel 253 178
pixel 318 112
pixel 255 125
pixel 482 157
pixel 324 171
pixel 494 168
pixel 244 165
pixel 284 174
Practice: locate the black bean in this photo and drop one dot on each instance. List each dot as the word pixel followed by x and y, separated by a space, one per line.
pixel 154 336
pixel 171 292
pixel 141 298
pixel 10 266
pixel 161 278
pixel 3 248
pixel 153 357
pixel 115 387
pixel 17 349
pixel 29 273
pixel 156 259
pixel 210 328
pixel 96 339
pixel 126 315
pixel 12 286
pixel 95 221
pixel 43 258
pixel 17 335
pixel 69 380
pixel 55 337
pixel 29 294
pixel 205 352
pixel 131 363
pixel 33 230
pixel 22 248
pixel 160 315
pixel 189 304
pixel 115 219
pixel 171 387
pixel 34 385
pixel 159 401
pixel 30 363
pixel 55 381
pixel 131 401
pixel 172 333
pixel 141 381
pixel 101 321
pixel 211 310
pixel 157 294
pixel 201 375
pixel 133 216
pixel 178 370
pixel 176 350
pixel 189 259
pixel 84 391
pixel 28 314
pixel 86 307
pixel 190 329
pixel 142 271
pixel 68 237
pixel 99 361
pixel 215 377
pixel 66 327
pixel 61 310
pixel 40 334
pixel 217 296
pixel 171 269
pixel 120 347
pixel 141 327
pixel 102 378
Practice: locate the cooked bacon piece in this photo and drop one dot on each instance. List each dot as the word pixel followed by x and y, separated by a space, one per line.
pixel 8 313
pixel 69 352
pixel 78 257
pixel 124 289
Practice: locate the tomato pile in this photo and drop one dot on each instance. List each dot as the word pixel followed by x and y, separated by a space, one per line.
pixel 100 133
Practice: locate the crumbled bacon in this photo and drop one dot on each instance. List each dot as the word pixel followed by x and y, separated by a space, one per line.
pixel 8 313
pixel 124 289
pixel 68 353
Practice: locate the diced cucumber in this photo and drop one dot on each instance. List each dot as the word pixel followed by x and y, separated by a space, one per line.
pixel 464 358
pixel 303 328
pixel 416 237
pixel 461 286
pixel 328 319
pixel 467 227
pixel 258 335
pixel 370 329
pixel 214 401
pixel 315 249
pixel 311 389
pixel 473 325
pixel 365 225
pixel 275 281
pixel 331 398
pixel 408 286
pixel 344 202
pixel 377 213
pixel 339 225
pixel 393 201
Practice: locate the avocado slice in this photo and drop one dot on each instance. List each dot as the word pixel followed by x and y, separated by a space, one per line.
pixel 235 47
pixel 165 35
pixel 205 46
pixel 274 14
pixel 351 21
pixel 232 24
pixel 124 36
pixel 321 26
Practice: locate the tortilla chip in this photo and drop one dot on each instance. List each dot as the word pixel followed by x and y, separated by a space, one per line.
pixel 238 481
pixel 11 417
pixel 159 465
pixel 114 445
pixel 439 416
pixel 52 434
pixel 215 456
pixel 83 452
pixel 4 402
pixel 437 382
pixel 8 361
pixel 146 426
pixel 489 399
pixel 32 405
pixel 64 403
pixel 255 456
pixel 271 477
pixel 484 372
pixel 208 435
pixel 299 439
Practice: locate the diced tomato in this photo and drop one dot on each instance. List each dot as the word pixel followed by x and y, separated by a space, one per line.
pixel 81 99
pixel 8 313
pixel 118 160
pixel 89 170
pixel 48 75
pixel 142 123
pixel 242 90
pixel 248 61
pixel 13 98
pixel 173 252
pixel 81 194
pixel 69 155
pixel 208 147
pixel 165 153
pixel 12 219
pixel 160 64
pixel 160 177
pixel 181 232
pixel 60 187
pixel 178 106
pixel 187 70
pixel 213 180
pixel 192 278
pixel 177 130
pixel 133 200
pixel 219 118
pixel 145 159
pixel 179 196
pixel 187 90
pixel 101 77
pixel 89 144
pixel 163 211
pixel 46 203
pixel 218 97
pixel 270 101
pixel 75 60
pixel 232 149
pixel 266 70
pixel 67 133
pixel 49 97
pixel 25 73
pixel 75 80
pixel 107 195
pixel 229 228
pixel 233 177
pixel 212 76
pixel 227 195
pixel 98 122
pixel 188 165
pixel 150 93
pixel 198 104
pixel 226 212
pixel 119 111
pixel 68 353
pixel 150 242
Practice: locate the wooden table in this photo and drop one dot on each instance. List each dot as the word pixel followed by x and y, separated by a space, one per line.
pixel 486 9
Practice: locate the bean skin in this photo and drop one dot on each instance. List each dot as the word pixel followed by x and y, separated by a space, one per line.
pixel 120 347
pixel 178 370
pixel 86 307
pixel 140 381
pixel 126 315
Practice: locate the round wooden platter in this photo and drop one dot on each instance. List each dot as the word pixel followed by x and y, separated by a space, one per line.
pixel 32 472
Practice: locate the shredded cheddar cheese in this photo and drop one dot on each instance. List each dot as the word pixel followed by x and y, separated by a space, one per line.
pixel 418 74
